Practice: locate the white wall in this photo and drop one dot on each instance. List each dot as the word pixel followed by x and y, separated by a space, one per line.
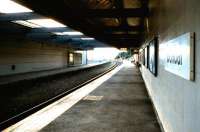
pixel 77 59
pixel 30 56
pixel 84 57
pixel 177 100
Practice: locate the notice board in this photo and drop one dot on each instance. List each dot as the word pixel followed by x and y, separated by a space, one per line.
pixel 179 56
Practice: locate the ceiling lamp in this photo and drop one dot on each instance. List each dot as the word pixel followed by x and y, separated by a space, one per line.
pixel 73 33
pixel 27 24
pixel 9 6
pixel 87 38
pixel 48 23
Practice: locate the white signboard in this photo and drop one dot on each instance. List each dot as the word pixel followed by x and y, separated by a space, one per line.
pixel 179 56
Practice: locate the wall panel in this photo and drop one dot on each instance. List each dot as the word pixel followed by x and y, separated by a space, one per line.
pixel 30 56
pixel 177 100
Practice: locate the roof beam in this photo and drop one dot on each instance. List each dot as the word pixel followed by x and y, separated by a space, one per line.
pixel 104 36
pixel 64 39
pixel 107 13
pixel 123 28
pixel 43 30
pixel 121 40
pixel 120 5
pixel 122 44
pixel 118 36
pixel 34 30
pixel 125 45
pixel 51 35
pixel 86 13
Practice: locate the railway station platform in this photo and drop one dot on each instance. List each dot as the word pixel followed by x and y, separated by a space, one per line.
pixel 119 104
pixel 46 86
pixel 44 73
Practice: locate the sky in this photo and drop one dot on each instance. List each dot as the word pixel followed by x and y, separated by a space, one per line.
pixel 103 53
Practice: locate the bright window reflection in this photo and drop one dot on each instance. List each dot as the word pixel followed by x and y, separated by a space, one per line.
pixel 38 23
pixel 27 24
pixel 8 6
pixel 48 23
pixel 68 33
pixel 102 54
pixel 71 58
pixel 87 38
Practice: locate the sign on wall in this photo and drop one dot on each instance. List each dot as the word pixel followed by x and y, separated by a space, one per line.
pixel 179 56
pixel 153 56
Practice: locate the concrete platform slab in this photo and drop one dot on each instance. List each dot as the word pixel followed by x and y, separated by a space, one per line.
pixel 121 104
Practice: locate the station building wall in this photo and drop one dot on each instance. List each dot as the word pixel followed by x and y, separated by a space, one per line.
pixel 77 59
pixel 177 100
pixel 18 56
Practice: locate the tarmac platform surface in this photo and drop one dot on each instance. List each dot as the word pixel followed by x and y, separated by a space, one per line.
pixel 121 104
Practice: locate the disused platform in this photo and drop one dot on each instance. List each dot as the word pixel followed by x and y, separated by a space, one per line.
pixel 121 104
pixel 20 99
pixel 38 74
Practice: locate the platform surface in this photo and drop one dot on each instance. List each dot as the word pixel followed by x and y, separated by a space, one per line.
pixel 121 104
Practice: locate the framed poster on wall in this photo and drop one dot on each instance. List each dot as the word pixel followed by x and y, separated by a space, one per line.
pixel 141 56
pixel 146 56
pixel 153 53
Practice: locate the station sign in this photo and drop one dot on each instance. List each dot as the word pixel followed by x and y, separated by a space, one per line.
pixel 179 56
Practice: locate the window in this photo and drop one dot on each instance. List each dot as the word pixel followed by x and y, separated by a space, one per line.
pixel 71 58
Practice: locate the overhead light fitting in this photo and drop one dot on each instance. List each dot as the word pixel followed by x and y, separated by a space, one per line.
pixel 73 33
pixel 87 38
pixel 48 23
pixel 38 23
pixel 9 6
pixel 27 24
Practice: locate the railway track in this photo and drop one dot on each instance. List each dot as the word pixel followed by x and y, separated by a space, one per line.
pixel 6 123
